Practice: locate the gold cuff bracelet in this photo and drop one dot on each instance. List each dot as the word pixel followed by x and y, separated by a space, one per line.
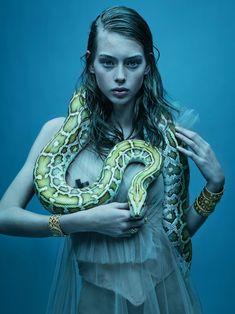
pixel 54 226
pixel 205 203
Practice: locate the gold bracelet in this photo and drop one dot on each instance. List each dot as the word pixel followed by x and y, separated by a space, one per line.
pixel 212 195
pixel 206 202
pixel 202 211
pixel 54 226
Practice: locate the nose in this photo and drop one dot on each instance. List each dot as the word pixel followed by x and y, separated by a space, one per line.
pixel 119 75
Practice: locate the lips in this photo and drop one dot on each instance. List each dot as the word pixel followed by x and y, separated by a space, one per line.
pixel 120 89
pixel 120 92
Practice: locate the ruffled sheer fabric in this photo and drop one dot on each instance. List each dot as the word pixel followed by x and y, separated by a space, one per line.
pixel 138 274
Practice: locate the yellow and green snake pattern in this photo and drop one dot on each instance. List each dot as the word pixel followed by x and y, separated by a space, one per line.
pixel 58 197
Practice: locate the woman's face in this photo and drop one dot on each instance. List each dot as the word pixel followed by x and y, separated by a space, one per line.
pixel 119 67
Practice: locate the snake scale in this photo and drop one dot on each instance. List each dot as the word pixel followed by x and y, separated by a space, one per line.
pixel 58 197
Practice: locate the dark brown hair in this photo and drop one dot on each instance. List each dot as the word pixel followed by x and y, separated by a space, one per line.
pixel 150 102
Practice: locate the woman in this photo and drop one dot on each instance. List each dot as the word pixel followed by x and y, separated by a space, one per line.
pixel 126 265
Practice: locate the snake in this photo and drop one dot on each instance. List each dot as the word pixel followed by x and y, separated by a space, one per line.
pixel 176 175
pixel 57 196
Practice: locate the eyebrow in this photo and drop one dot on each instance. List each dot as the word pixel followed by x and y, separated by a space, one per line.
pixel 112 57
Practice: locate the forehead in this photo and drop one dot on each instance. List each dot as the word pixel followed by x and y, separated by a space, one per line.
pixel 114 44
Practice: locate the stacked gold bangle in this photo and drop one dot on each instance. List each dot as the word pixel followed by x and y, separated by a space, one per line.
pixel 54 226
pixel 206 202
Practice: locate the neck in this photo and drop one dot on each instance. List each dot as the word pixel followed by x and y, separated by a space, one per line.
pixel 123 117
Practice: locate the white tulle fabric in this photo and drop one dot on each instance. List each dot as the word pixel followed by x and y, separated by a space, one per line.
pixel 105 275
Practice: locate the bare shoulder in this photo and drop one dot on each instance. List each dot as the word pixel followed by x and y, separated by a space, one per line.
pixel 53 125
pixel 48 130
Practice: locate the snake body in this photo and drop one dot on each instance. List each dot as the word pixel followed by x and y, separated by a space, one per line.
pixel 176 201
pixel 51 166
pixel 58 197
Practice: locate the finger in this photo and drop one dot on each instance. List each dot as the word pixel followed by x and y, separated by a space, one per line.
pixel 122 235
pixel 193 136
pixel 127 234
pixel 122 205
pixel 190 154
pixel 186 132
pixel 188 142
pixel 137 223
pixel 133 231
pixel 133 225
pixel 197 144
pixel 138 218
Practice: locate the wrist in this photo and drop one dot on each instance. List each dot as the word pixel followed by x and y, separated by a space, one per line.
pixel 75 222
pixel 215 187
pixel 54 225
pixel 206 202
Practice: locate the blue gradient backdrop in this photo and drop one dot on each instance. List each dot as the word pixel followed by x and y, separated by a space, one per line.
pixel 41 45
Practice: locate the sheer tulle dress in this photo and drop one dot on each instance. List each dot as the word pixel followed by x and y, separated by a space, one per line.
pixel 133 275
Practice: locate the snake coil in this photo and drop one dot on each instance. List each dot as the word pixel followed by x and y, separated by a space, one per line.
pixel 51 166
pixel 58 197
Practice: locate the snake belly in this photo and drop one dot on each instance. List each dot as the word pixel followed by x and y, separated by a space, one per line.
pixel 52 164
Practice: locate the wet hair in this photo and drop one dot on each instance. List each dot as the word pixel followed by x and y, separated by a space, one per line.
pixel 150 101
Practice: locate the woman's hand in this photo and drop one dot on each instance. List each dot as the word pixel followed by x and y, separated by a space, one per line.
pixel 203 156
pixel 112 219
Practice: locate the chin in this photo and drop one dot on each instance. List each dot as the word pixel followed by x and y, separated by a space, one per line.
pixel 120 101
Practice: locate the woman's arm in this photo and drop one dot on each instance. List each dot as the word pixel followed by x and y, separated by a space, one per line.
pixel 112 219
pixel 204 157
pixel 14 219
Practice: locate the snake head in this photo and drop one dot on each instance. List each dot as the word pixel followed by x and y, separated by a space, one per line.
pixel 137 203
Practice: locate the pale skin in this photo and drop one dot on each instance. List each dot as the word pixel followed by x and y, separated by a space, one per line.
pixel 112 68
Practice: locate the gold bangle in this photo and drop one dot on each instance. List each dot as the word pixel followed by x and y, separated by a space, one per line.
pixel 202 211
pixel 54 226
pixel 206 202
pixel 212 195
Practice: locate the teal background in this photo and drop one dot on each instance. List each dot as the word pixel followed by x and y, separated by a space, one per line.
pixel 41 45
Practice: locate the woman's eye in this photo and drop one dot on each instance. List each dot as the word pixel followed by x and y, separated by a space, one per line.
pixel 107 63
pixel 132 64
pixel 110 63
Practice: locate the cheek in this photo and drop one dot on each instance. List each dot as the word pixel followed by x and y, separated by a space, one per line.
pixel 138 80
pixel 101 80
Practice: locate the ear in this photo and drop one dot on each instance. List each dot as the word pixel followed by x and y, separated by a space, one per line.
pixel 147 69
pixel 91 69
